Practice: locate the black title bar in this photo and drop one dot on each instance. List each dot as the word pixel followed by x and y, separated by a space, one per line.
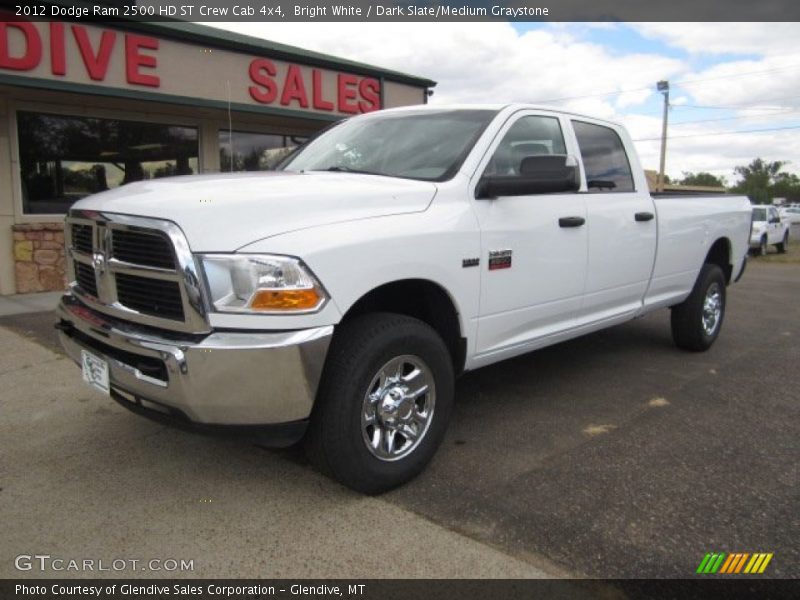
pixel 394 589
pixel 411 10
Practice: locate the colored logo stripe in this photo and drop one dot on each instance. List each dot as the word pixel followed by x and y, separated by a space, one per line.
pixel 736 562
pixel 711 562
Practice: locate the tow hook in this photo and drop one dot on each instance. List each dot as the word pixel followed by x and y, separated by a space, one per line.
pixel 64 326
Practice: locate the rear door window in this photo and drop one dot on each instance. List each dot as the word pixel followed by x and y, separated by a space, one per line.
pixel 604 158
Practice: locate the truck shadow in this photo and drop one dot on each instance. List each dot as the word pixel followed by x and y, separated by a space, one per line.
pixel 610 347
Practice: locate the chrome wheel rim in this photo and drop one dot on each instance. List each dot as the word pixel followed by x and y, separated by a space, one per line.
pixel 398 408
pixel 712 309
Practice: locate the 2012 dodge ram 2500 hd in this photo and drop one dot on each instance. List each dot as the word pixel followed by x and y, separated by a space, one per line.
pixel 336 299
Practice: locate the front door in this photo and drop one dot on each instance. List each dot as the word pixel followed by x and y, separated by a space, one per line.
pixel 534 248
pixel 774 227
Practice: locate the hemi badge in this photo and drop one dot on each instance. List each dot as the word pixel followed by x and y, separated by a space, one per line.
pixel 470 262
pixel 499 259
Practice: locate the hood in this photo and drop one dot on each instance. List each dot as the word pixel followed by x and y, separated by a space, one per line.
pixel 223 212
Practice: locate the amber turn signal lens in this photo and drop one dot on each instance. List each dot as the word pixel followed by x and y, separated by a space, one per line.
pixel 285 300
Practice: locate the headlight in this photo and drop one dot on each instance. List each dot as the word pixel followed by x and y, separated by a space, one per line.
pixel 261 283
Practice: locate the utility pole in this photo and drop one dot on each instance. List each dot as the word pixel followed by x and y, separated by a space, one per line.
pixel 663 87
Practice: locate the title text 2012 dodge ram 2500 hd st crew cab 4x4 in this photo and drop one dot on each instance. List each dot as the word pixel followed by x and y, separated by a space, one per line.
pixel 337 299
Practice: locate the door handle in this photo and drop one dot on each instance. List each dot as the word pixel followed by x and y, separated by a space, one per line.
pixel 571 221
pixel 644 216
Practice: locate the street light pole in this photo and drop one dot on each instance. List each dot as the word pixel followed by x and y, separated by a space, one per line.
pixel 663 87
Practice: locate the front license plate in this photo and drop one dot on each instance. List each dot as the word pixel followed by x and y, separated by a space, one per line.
pixel 95 371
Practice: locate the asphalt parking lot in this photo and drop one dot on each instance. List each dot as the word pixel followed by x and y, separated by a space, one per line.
pixel 614 455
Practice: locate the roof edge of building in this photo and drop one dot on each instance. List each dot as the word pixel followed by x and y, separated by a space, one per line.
pixel 128 94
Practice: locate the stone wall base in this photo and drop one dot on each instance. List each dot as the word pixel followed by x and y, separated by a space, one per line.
pixel 39 258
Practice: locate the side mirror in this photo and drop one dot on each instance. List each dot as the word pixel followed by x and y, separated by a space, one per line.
pixel 544 174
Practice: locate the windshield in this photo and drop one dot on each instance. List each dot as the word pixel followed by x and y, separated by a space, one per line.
pixel 759 214
pixel 426 144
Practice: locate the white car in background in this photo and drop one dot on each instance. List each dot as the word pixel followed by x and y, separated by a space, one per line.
pixel 768 229
pixel 790 214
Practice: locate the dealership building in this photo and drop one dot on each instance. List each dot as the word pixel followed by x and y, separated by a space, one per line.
pixel 88 107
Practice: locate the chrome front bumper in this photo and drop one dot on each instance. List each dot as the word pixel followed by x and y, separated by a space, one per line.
pixel 219 379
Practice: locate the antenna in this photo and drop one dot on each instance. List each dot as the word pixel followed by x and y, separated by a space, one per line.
pixel 230 124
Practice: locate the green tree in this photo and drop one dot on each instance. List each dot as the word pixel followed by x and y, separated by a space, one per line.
pixel 762 181
pixel 787 187
pixel 702 178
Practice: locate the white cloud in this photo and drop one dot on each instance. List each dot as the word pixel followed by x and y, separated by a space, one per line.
pixel 703 149
pixel 766 82
pixel 481 62
pixel 724 38
pixel 492 62
pixel 762 92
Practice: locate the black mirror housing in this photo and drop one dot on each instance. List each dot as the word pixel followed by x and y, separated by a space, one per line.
pixel 543 174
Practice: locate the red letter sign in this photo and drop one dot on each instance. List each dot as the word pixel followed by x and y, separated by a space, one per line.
pixel 58 57
pixel 262 72
pixel 33 47
pixel 370 90
pixel 134 60
pixel 347 93
pixel 96 65
pixel 319 101
pixel 294 88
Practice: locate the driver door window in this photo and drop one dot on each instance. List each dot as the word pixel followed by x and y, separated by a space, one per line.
pixel 529 136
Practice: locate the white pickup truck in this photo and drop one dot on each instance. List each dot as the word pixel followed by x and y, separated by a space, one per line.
pixel 768 229
pixel 337 299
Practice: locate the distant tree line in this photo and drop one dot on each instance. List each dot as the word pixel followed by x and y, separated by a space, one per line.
pixel 761 181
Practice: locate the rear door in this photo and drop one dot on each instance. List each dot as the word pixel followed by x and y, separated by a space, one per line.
pixel 533 247
pixel 622 224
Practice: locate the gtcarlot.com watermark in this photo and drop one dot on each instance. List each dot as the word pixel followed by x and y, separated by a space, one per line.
pixel 46 563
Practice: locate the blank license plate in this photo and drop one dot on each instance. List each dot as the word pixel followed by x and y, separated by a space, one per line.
pixel 95 371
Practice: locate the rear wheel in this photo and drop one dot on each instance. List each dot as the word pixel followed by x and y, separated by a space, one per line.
pixel 784 245
pixel 697 321
pixel 384 402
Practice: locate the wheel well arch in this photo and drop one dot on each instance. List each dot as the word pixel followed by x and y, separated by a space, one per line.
pixel 720 254
pixel 422 299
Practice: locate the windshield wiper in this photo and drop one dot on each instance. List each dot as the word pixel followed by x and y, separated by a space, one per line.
pixel 343 169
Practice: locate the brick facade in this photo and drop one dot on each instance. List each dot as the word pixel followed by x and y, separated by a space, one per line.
pixel 39 260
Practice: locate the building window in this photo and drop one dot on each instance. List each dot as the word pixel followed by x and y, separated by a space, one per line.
pixel 247 151
pixel 64 158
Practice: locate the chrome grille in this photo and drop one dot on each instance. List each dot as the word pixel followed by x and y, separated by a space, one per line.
pixel 84 277
pixel 152 249
pixel 82 238
pixel 154 297
pixel 135 268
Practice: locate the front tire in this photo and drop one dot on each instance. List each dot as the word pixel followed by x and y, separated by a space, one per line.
pixel 697 321
pixel 384 402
